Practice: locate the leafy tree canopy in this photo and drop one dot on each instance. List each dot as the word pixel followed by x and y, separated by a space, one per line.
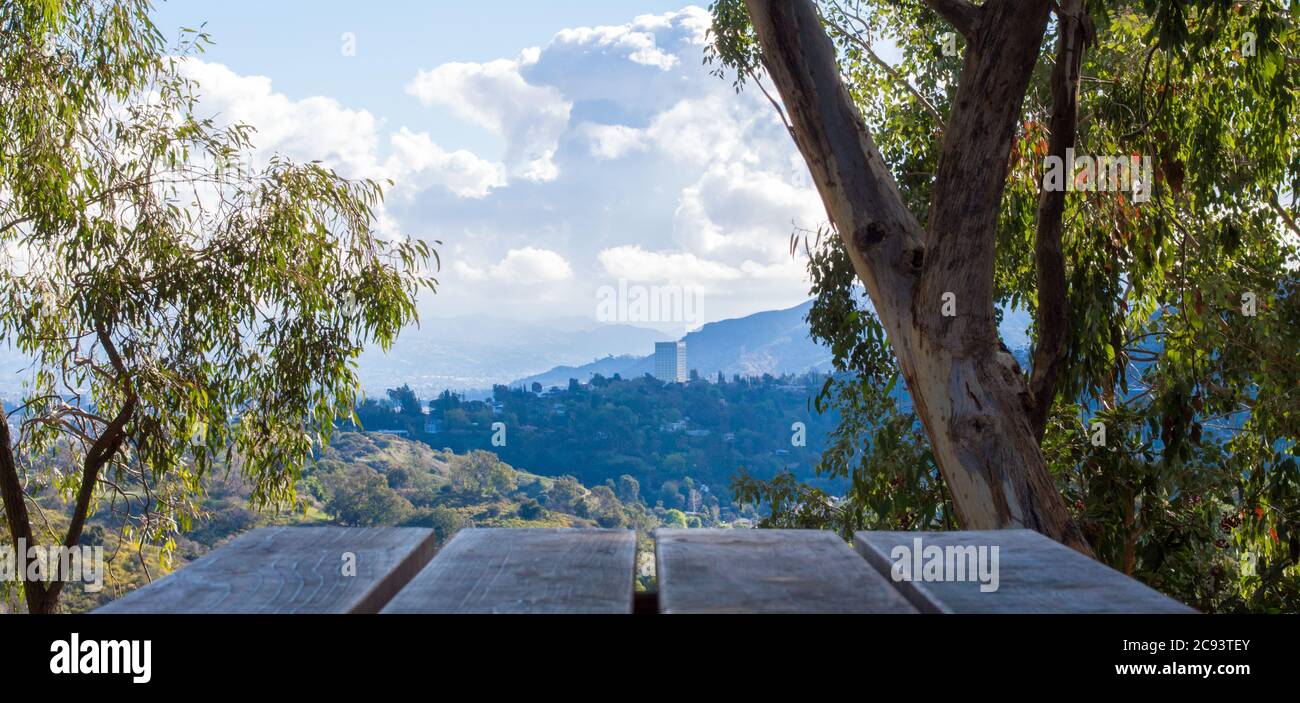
pixel 178 303
pixel 1180 312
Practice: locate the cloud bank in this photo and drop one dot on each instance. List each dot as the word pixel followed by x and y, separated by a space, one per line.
pixel 621 157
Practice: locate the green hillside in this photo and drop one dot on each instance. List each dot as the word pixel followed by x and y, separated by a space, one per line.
pixel 384 479
pixel 363 479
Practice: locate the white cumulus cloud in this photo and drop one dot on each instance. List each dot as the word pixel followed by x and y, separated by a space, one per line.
pixel 531 118
pixel 636 264
pixel 628 40
pixel 308 129
pixel 610 141
pixel 531 265
pixel 348 140
pixel 416 160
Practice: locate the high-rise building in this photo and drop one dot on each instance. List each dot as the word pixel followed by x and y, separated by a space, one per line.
pixel 670 362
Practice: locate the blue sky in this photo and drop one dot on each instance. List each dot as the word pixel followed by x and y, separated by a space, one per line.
pixel 554 148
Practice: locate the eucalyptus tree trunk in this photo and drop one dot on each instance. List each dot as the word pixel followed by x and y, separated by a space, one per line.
pixel 19 523
pixel 932 284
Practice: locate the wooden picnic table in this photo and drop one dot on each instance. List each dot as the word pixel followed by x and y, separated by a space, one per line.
pixel 499 570
pixel 495 570
pixel 291 570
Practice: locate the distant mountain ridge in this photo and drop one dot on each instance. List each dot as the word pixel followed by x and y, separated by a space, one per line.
pixel 475 352
pixel 773 341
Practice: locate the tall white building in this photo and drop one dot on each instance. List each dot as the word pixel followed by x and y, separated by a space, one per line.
pixel 670 362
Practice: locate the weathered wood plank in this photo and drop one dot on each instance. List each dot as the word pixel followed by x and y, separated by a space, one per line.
pixel 1035 575
pixel 767 571
pixel 500 570
pixel 290 570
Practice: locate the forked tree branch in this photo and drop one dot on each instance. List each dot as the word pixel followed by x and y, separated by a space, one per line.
pixel 106 446
pixel 961 14
pixel 968 394
pixel 101 452
pixel 1052 320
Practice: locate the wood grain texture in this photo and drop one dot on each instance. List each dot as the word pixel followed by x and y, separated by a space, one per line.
pixel 767 571
pixel 501 570
pixel 290 570
pixel 1035 575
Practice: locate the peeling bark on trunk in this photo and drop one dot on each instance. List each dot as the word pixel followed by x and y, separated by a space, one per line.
pixel 968 391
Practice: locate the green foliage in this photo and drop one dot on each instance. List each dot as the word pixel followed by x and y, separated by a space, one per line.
pixel 732 45
pixel 647 433
pixel 382 479
pixel 1196 490
pixel 675 518
pixel 565 493
pixel 406 401
pixel 629 489
pixel 531 509
pixel 162 285
pixel 482 474
pixel 363 498
pixel 444 522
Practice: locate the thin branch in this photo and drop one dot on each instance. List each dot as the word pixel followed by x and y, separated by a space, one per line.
pixel 102 451
pixel 14 223
pixel 890 70
pixel 775 105
pixel 1286 216
pixel 1160 106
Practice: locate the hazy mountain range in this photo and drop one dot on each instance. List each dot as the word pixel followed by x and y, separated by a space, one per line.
pixel 471 353
pixel 774 341
pixel 475 352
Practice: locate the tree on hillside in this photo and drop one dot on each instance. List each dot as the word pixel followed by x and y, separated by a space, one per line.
pixel 406 401
pixel 629 489
pixel 482 474
pixel 531 510
pixel 444 522
pixel 445 401
pixel 179 306
pixel 362 497
pixel 1155 425
pixel 565 493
